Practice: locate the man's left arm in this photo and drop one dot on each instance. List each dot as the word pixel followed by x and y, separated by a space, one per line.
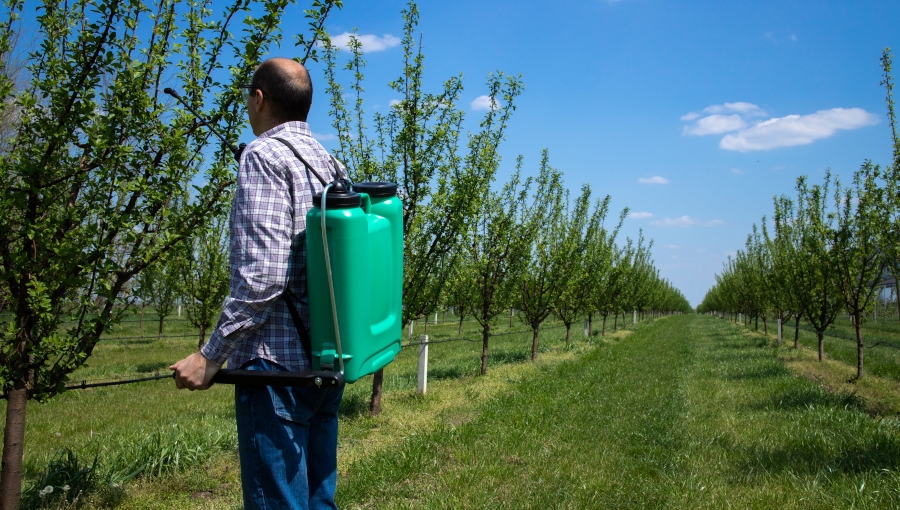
pixel 262 231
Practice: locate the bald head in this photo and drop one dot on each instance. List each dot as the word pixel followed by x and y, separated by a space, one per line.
pixel 287 87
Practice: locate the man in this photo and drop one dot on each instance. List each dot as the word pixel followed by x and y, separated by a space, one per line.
pixel 287 436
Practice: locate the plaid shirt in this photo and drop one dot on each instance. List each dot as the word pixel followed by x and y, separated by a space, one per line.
pixel 268 250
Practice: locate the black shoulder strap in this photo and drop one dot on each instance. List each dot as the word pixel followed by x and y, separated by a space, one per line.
pixel 295 316
pixel 297 153
pixel 289 296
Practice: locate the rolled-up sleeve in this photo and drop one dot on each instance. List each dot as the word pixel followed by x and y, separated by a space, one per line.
pixel 260 251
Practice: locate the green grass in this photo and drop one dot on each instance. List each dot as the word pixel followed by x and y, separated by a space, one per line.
pixel 683 412
pixel 688 412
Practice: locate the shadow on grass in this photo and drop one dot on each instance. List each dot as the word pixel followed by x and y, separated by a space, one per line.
pixel 503 357
pixel 811 397
pixel 151 367
pixel 734 358
pixel 754 373
pixel 876 454
pixel 131 341
pixel 439 373
pixel 353 405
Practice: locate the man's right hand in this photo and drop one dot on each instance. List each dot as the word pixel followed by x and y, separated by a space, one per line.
pixel 194 372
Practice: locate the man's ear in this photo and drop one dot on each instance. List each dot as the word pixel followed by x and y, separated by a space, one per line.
pixel 258 104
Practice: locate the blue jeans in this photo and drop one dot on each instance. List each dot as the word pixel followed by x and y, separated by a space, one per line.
pixel 287 439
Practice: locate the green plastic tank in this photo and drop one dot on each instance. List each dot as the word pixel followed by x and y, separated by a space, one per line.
pixel 365 244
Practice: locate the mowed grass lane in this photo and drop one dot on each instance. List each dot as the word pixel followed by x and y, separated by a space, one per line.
pixel 687 412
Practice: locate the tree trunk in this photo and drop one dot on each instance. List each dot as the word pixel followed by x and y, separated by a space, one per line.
pixel 511 312
pixel 534 343
pixel 821 335
pixel 459 332
pixel 603 330
pixel 13 447
pixel 141 323
pixel 797 332
pixel 568 333
pixel 859 350
pixel 202 336
pixel 590 325
pixel 375 401
pixel 485 334
pixel 765 327
pixel 425 331
pixel 161 318
pixel 756 323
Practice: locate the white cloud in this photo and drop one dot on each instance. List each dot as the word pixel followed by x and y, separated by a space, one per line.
pixel 684 222
pixel 484 103
pixel 394 102
pixel 796 129
pixel 653 180
pixel 720 118
pixel 671 246
pixel 370 42
pixel 322 138
pixel 737 171
pixel 639 215
pixel 739 107
pixel 793 37
pixel 715 124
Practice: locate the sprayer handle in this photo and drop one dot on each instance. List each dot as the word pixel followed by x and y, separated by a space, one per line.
pixel 365 202
pixel 305 379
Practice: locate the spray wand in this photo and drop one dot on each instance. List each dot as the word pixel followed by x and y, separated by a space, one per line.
pixel 203 122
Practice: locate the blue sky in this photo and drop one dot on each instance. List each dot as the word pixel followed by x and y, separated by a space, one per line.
pixel 692 114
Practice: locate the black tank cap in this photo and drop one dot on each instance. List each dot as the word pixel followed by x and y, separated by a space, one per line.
pixel 339 197
pixel 376 189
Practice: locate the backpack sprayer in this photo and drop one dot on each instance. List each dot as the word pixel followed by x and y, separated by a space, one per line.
pixel 357 229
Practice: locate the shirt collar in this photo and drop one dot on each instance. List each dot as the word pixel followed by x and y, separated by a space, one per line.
pixel 294 126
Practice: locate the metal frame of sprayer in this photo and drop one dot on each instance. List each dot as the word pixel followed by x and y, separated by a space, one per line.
pixel 308 378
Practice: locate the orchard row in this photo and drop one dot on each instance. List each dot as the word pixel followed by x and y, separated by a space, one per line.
pixel 829 250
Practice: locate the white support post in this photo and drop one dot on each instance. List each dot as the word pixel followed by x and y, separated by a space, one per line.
pixel 586 332
pixel 779 331
pixel 423 364
pixel 634 316
pixel 411 328
pixel 435 317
